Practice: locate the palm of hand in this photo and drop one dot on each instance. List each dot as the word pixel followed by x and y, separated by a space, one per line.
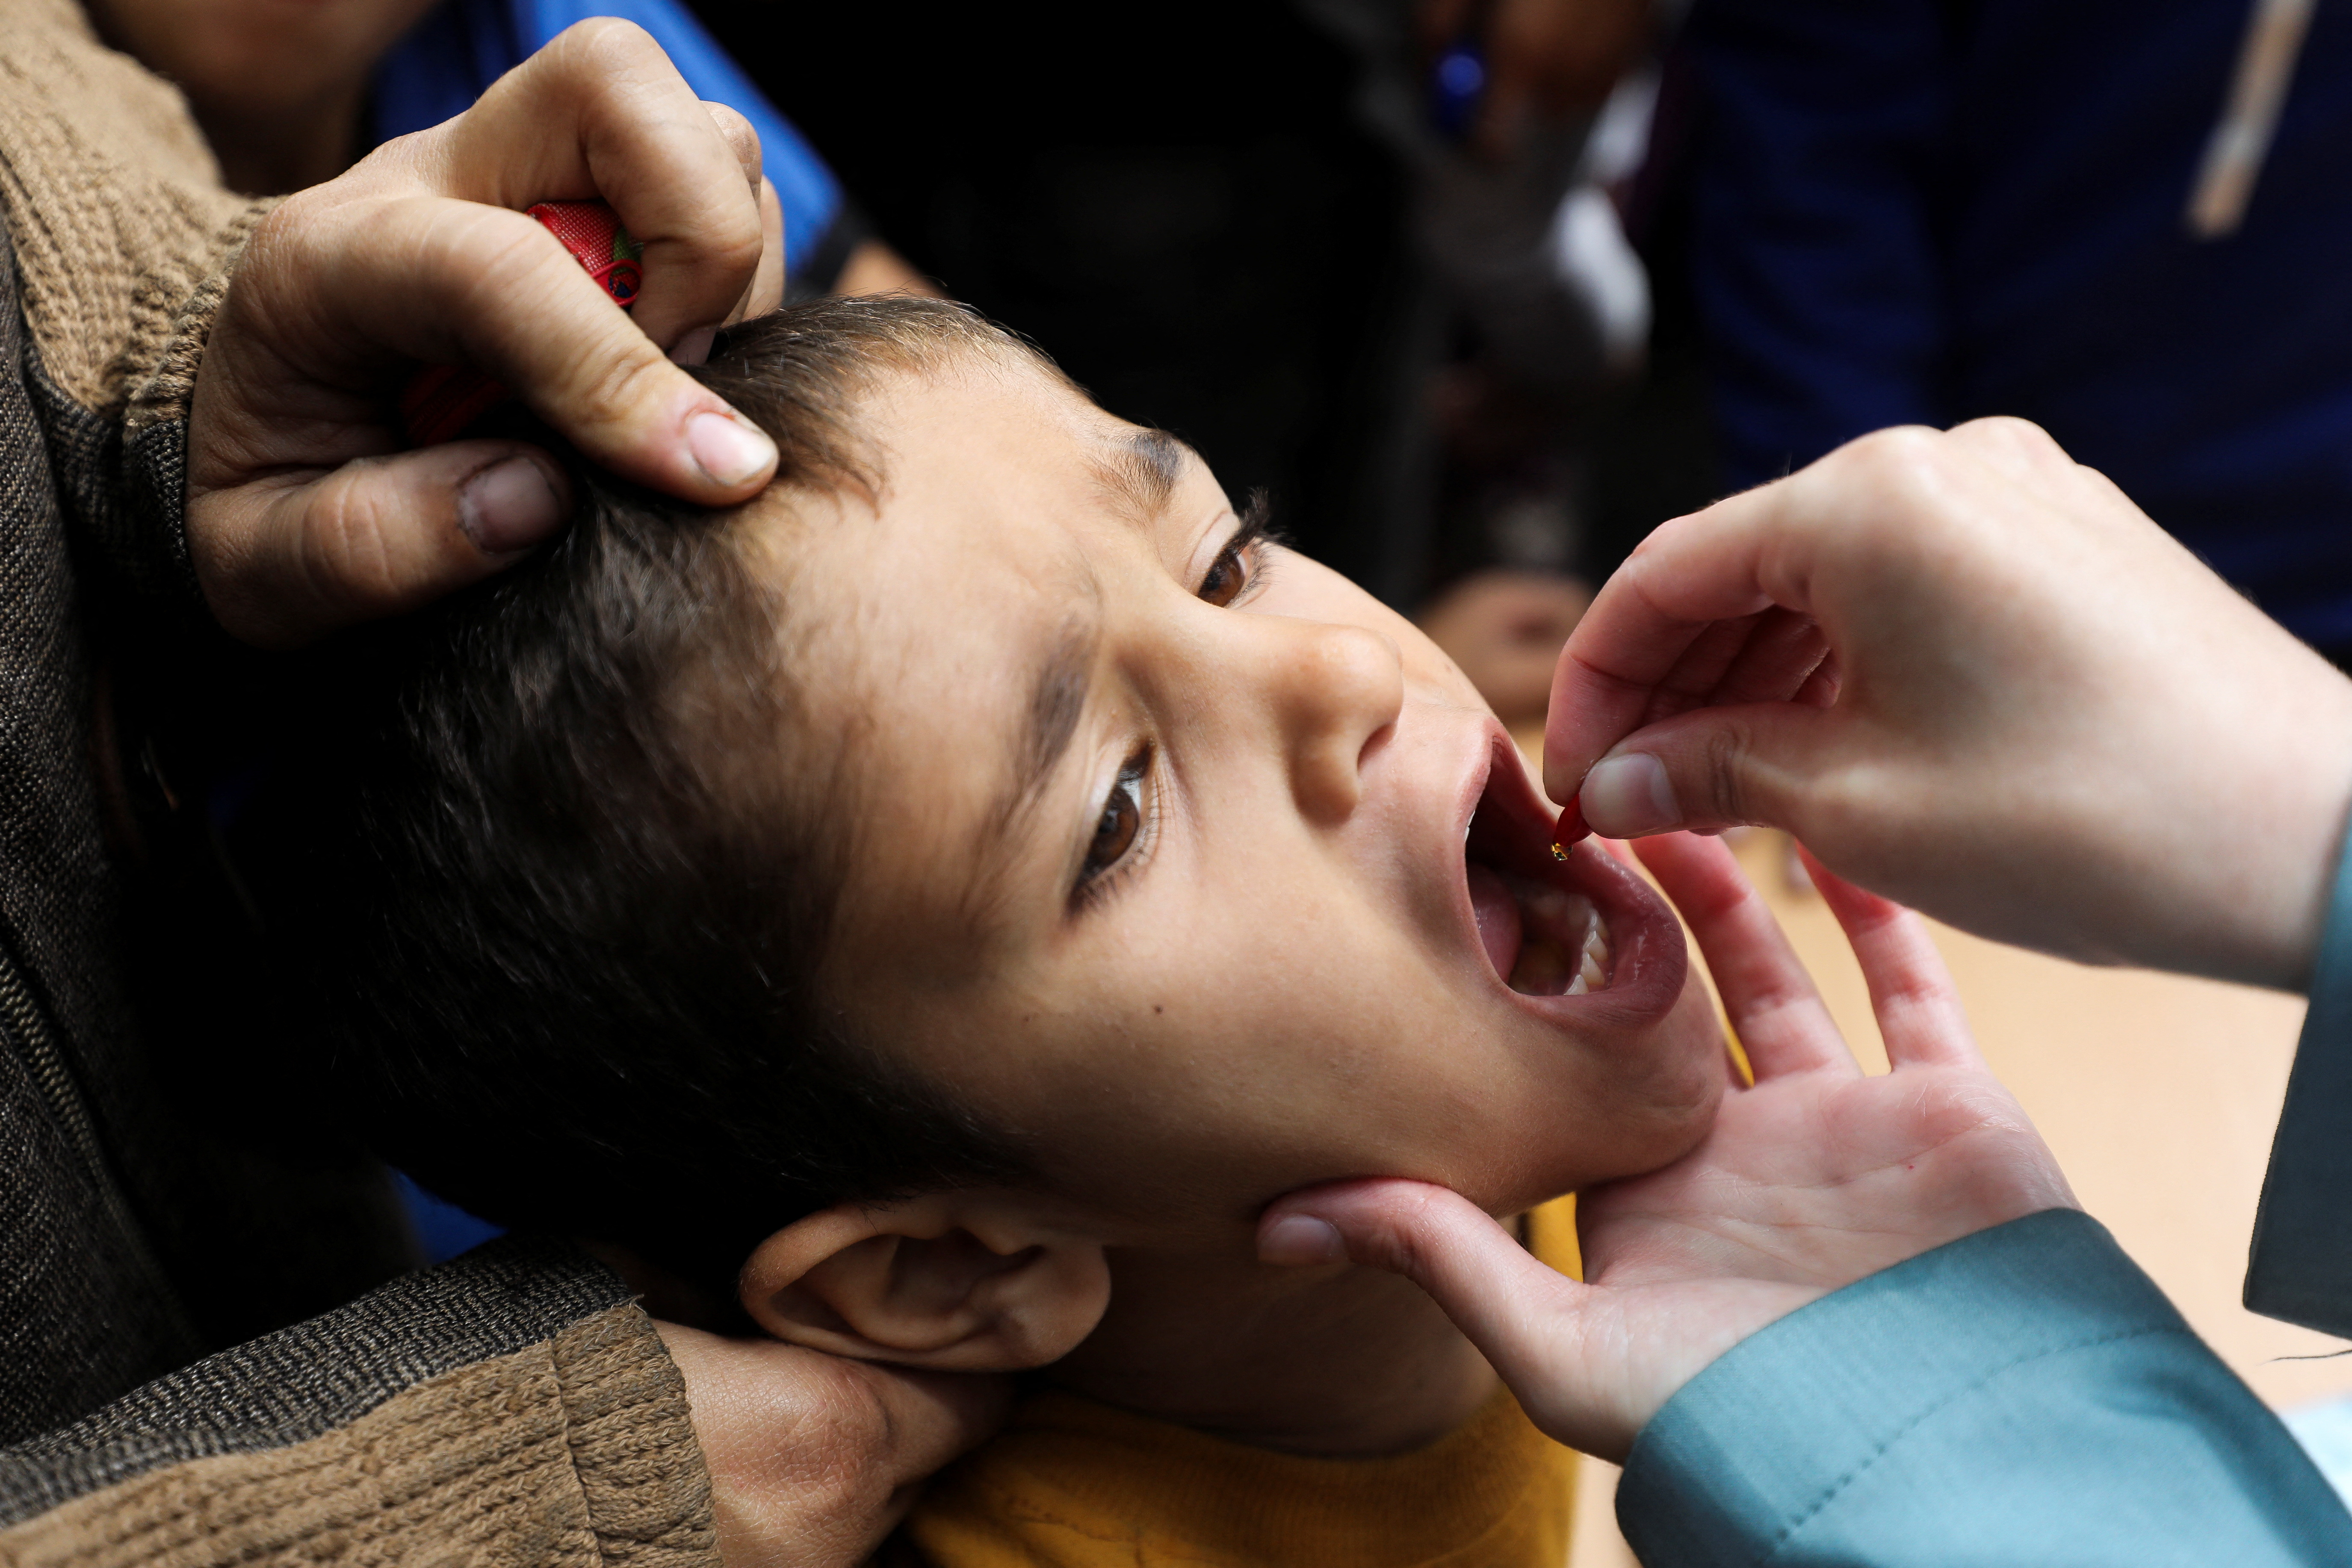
pixel 1808 1183
pixel 1816 1178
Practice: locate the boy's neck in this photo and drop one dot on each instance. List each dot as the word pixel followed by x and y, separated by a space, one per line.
pixel 1338 1361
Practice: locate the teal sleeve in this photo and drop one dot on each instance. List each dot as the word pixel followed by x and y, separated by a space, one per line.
pixel 2023 1396
pixel 2301 1267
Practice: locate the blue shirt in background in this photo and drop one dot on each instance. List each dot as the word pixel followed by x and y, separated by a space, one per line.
pixel 440 67
pixel 1922 211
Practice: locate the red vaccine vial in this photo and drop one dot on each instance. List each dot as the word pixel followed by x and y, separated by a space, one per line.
pixel 443 399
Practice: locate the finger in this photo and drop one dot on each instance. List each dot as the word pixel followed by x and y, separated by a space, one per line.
pixel 1763 658
pixel 2017 447
pixel 1780 655
pixel 1519 1311
pixel 1739 557
pixel 767 290
pixel 743 139
pixel 1689 575
pixel 300 556
pixel 1911 988
pixel 451 281
pixel 1771 1002
pixel 936 1417
pixel 1701 667
pixel 1715 768
pixel 602 112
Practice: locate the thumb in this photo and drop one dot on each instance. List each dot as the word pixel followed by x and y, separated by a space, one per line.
pixel 372 538
pixel 1522 1315
pixel 1710 768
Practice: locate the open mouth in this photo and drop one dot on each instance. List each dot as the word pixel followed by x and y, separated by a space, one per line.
pixel 1544 935
pixel 1555 927
pixel 1542 941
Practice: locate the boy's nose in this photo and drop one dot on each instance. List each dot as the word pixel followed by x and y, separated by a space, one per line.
pixel 1334 688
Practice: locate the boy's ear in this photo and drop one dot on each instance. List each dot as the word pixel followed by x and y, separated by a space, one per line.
pixel 958 1281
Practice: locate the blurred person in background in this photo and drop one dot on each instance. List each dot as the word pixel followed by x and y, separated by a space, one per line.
pixel 2123 223
pixel 1518 124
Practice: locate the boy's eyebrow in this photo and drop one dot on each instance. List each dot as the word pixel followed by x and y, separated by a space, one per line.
pixel 1144 474
pixel 1058 701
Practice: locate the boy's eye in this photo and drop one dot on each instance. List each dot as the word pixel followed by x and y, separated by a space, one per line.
pixel 1228 575
pixel 1120 823
pixel 1239 567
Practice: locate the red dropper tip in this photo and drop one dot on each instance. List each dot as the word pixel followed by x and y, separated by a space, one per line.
pixel 1571 827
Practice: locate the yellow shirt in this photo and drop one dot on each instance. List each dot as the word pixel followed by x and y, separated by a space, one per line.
pixel 1070 1483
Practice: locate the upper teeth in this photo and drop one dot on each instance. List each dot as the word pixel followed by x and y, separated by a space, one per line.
pixel 1593 970
pixel 1569 964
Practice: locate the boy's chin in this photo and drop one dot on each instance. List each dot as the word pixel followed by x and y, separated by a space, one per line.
pixel 1661 1109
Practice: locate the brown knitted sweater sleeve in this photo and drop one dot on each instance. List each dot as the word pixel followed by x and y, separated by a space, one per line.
pixel 561 1453
pixel 440 1419
pixel 123 241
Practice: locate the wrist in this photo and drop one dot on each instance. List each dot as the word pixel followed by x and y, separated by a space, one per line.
pixel 2290 838
pixel 2213 833
pixel 2304 924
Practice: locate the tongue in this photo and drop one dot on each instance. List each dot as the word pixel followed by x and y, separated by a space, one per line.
pixel 1498 919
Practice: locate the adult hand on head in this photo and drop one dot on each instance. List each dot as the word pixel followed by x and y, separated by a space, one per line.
pixel 303 512
pixel 1810 1179
pixel 1968 673
pixel 813 1458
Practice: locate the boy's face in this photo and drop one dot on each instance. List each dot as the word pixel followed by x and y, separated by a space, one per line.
pixel 1158 857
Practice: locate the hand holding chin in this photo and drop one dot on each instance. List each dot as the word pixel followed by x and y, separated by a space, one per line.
pixel 1810 1179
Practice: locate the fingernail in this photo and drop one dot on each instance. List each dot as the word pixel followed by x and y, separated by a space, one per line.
pixel 729 448
pixel 695 347
pixel 1626 796
pixel 1298 1239
pixel 509 506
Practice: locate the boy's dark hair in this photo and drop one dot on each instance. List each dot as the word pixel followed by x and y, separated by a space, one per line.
pixel 551 873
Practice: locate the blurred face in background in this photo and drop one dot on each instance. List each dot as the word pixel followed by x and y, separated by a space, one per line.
pixel 278 85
